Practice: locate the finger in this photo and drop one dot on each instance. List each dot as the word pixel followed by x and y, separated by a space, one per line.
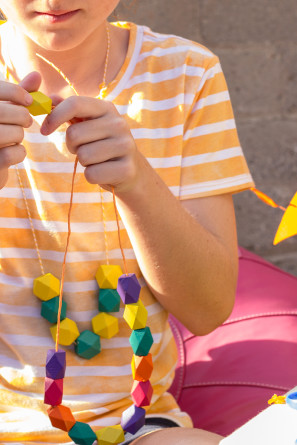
pixel 14 93
pixel 10 134
pixel 15 115
pixel 100 151
pixel 56 99
pixel 74 107
pixel 110 173
pixel 86 132
pixel 31 82
pixel 12 155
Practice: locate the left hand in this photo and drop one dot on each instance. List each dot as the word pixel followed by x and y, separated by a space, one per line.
pixel 101 139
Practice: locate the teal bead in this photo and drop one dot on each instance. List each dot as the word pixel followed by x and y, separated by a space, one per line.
pixel 141 341
pixel 82 434
pixel 50 308
pixel 88 344
pixel 109 300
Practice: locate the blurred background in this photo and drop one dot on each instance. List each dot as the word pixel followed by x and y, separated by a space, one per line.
pixel 256 41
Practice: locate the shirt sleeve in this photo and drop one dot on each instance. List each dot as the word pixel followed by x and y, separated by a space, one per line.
pixel 212 159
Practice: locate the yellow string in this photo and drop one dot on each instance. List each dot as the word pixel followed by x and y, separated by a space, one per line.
pixel 104 226
pixel 119 234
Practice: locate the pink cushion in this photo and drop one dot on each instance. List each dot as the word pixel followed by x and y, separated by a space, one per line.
pixel 225 378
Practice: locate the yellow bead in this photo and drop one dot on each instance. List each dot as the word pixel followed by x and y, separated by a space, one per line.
pixel 135 315
pixel 68 332
pixel 2 22
pixel 105 325
pixel 46 287
pixel 110 435
pixel 107 276
pixel 41 104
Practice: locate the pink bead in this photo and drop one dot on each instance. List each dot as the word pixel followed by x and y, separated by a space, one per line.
pixel 53 391
pixel 142 393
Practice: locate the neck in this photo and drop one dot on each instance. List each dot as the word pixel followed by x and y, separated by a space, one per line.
pixel 86 76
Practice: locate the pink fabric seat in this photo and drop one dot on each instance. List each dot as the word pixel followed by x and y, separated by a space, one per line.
pixel 225 378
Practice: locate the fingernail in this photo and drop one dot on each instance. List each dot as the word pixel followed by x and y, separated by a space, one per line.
pixel 28 99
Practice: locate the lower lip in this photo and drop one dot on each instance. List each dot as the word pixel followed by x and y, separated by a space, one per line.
pixel 58 18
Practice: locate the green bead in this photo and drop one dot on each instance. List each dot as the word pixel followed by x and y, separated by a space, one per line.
pixel 82 434
pixel 141 341
pixel 88 344
pixel 109 300
pixel 50 308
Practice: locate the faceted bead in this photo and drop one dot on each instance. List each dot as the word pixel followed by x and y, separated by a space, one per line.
pixel 107 276
pixel 105 325
pixel 141 341
pixel 133 419
pixel 82 434
pixel 141 393
pixel 135 315
pixel 53 391
pixel 88 344
pixel 110 435
pixel 41 104
pixel 142 367
pixel 55 364
pixel 50 309
pixel 109 300
pixel 68 332
pixel 46 287
pixel 129 288
pixel 61 417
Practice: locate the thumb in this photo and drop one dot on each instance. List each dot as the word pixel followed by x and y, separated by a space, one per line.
pixel 31 82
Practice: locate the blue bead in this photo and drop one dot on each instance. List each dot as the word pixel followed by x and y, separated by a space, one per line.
pixel 291 400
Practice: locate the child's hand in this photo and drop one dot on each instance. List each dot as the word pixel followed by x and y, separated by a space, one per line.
pixel 14 117
pixel 100 138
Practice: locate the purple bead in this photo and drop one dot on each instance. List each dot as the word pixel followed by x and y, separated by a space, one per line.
pixel 55 364
pixel 133 419
pixel 129 288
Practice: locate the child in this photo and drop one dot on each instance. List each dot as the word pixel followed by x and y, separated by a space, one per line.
pixel 164 130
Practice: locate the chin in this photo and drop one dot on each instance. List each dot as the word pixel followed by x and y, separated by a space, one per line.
pixel 58 41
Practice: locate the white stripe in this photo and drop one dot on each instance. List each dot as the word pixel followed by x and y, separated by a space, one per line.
pixel 212 99
pixel 165 75
pixel 112 343
pixel 161 52
pixel 157 133
pixel 70 287
pixel 156 105
pixel 58 138
pixel 210 74
pixel 216 156
pixel 203 130
pixel 216 185
pixel 53 167
pixel 72 257
pixel 78 316
pixel 58 226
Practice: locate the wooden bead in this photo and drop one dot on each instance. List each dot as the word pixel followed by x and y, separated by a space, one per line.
pixel 88 344
pixel 68 332
pixel 55 364
pixel 133 419
pixel 50 309
pixel 105 325
pixel 46 287
pixel 141 393
pixel 61 417
pixel 109 300
pixel 141 341
pixel 107 276
pixel 42 104
pixel 128 288
pixel 110 435
pixel 53 391
pixel 82 434
pixel 135 315
pixel 142 367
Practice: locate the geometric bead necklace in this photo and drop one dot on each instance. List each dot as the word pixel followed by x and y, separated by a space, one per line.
pixel 113 287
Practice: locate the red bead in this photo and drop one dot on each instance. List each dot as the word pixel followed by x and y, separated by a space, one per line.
pixel 142 393
pixel 53 391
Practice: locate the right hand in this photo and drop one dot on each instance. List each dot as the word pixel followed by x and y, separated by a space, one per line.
pixel 14 117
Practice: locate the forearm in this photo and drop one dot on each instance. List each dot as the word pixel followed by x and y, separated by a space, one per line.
pixel 190 271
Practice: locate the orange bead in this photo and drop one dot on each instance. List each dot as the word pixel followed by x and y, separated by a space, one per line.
pixel 142 367
pixel 61 417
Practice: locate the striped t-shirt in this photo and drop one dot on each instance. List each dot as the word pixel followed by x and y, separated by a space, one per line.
pixel 173 94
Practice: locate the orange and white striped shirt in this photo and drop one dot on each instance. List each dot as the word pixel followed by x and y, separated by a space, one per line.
pixel 173 94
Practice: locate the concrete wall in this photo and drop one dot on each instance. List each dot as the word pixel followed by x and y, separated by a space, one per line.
pixel 256 41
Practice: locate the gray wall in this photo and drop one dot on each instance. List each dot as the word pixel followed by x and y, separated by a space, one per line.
pixel 256 41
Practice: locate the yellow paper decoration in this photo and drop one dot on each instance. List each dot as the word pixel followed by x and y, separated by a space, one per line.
pixel 288 224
